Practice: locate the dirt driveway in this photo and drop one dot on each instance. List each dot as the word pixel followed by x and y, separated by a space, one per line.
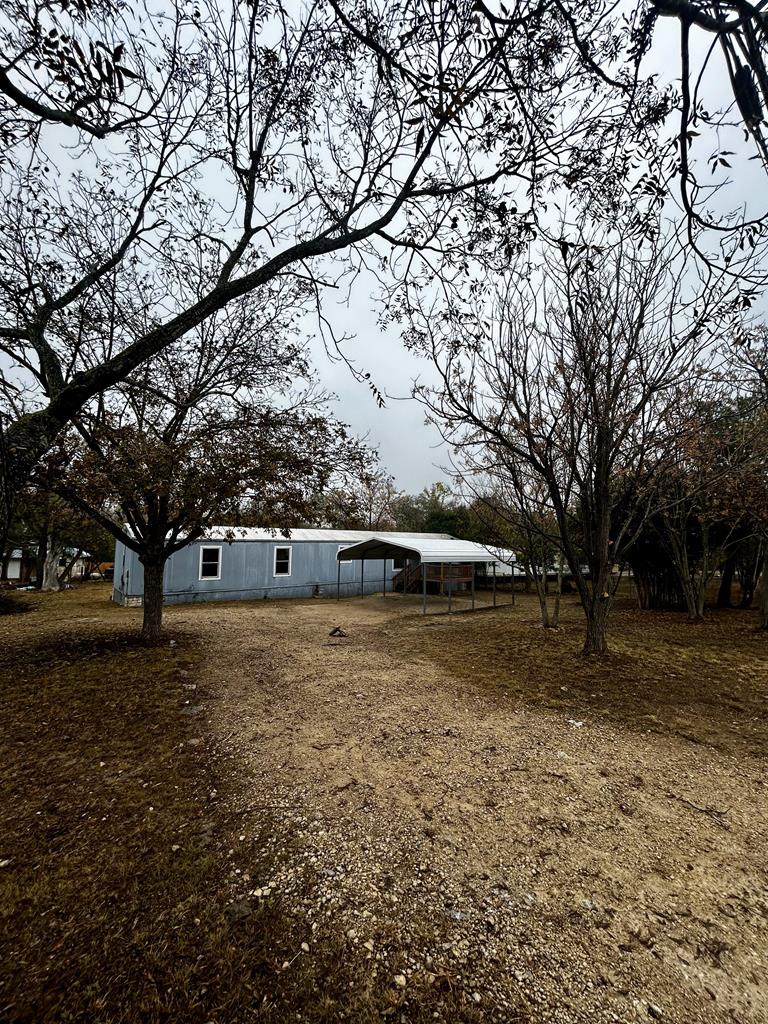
pixel 463 804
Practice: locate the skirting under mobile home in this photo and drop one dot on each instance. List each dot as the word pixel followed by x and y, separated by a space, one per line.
pixel 249 564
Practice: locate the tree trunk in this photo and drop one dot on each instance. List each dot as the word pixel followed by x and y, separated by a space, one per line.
pixel 40 556
pixel 28 560
pixel 542 604
pixel 726 582
pixel 558 592
pixel 747 584
pixel 748 577
pixel 66 575
pixel 701 594
pixel 704 574
pixel 643 590
pixel 50 579
pixel 763 588
pixel 691 575
pixel 540 583
pixel 693 592
pixel 153 601
pixel 596 638
pixel 596 609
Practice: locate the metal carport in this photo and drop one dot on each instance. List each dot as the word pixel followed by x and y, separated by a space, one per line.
pixel 428 551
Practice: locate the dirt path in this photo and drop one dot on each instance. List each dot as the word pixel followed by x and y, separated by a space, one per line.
pixel 534 864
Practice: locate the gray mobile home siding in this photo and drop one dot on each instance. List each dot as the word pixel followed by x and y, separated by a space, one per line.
pixel 247 572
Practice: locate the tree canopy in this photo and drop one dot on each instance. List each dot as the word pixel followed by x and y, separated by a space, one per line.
pixel 172 165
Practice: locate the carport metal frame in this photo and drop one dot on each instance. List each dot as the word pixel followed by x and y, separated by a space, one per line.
pixel 380 547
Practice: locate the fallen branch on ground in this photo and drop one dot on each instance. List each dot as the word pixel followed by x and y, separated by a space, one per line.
pixel 716 815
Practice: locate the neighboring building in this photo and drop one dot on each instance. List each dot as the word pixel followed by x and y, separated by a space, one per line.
pixel 80 566
pixel 14 564
pixel 21 565
pixel 260 564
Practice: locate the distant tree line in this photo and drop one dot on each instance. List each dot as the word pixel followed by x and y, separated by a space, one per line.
pixel 374 502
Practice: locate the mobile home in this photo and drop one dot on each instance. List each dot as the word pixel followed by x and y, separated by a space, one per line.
pixel 239 564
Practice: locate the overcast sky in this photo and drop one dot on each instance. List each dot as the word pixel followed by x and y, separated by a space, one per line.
pixel 410 450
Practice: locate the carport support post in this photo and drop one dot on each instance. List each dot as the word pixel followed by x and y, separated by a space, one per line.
pixel 473 585
pixel 384 587
pixel 494 584
pixel 362 577
pixel 423 590
pixel 338 580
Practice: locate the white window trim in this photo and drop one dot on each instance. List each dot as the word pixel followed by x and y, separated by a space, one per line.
pixel 208 547
pixel 282 547
pixel 344 561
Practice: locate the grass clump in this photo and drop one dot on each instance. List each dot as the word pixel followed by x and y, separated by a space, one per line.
pixel 11 604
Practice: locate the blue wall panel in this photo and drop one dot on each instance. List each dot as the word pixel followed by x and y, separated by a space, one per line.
pixel 247 572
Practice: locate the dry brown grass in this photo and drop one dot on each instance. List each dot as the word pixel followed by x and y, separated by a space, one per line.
pixel 120 815
pixel 118 845
pixel 12 603
pixel 705 682
pixel 609 815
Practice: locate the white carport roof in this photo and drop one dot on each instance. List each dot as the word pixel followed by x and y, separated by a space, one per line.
pixel 427 549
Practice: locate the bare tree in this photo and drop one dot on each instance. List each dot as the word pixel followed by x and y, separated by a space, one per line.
pixel 749 358
pixel 304 140
pixel 702 512
pixel 565 384
pixel 361 500
pixel 711 145
pixel 94 66
pixel 711 152
pixel 517 517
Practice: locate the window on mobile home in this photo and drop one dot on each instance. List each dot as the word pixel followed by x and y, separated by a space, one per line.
pixel 210 563
pixel 282 561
